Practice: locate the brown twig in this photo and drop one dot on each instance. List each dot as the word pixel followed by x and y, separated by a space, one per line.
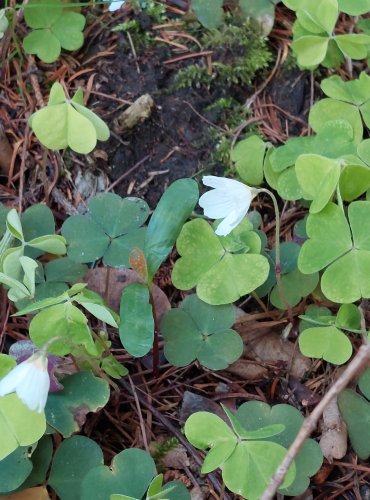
pixel 310 423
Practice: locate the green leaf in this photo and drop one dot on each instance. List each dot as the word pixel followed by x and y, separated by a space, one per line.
pixel 295 286
pixel 61 320
pixel 247 466
pixel 74 458
pixel 42 15
pixel 354 181
pixel 40 458
pixel 348 317
pixel 318 16
pixel 44 44
pixel 329 238
pixel 137 324
pixel 354 8
pixel 111 229
pixel 116 215
pixel 326 342
pixel 59 125
pixel 166 222
pixel 130 474
pixel 220 277
pixel 352 91
pixel 65 270
pixel 318 177
pixel 102 130
pixel 13 415
pixel 364 383
pixel 100 311
pixel 353 45
pixel 14 470
pixel 248 156
pixel 68 30
pixel 201 331
pixel 255 414
pixel 355 411
pixel 87 242
pixel 7 363
pixel 56 95
pixel 13 223
pixel 209 14
pixel 54 244
pixel 206 430
pixel 326 110
pixel 83 393
pixel 310 50
pixel 262 459
pixel 50 125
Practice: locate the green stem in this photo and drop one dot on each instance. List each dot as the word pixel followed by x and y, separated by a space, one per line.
pixel 277 251
pixel 339 198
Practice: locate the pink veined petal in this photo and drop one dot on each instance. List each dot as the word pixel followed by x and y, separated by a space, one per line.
pixel 15 377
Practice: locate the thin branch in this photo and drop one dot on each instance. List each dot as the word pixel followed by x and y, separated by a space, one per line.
pixel 310 423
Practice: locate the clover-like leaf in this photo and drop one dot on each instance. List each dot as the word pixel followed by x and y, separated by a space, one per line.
pixel 220 276
pixel 130 474
pixel 110 229
pixel 40 458
pixel 318 177
pixel 347 276
pixel 62 320
pixel 294 286
pixel 66 410
pixel 67 123
pixel 247 465
pixel 255 414
pixel 355 92
pixel 354 8
pixel 13 415
pixel 74 458
pixel 329 109
pixel 209 14
pixel 14 470
pixel 326 342
pixel 201 331
pixel 249 155
pixel 54 28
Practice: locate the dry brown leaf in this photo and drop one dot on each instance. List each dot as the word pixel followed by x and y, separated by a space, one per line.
pixel 333 442
pixel 39 493
pixel 109 283
pixel 248 370
pixel 176 458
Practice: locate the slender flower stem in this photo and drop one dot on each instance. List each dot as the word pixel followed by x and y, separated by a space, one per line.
pixel 277 251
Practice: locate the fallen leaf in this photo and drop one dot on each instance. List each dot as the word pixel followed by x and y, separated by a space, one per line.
pixel 109 282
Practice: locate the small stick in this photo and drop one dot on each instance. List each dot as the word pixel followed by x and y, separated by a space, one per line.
pixel 310 423
pixel 142 424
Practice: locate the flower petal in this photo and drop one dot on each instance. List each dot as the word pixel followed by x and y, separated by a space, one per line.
pixel 15 377
pixel 115 5
pixel 216 205
pixel 229 223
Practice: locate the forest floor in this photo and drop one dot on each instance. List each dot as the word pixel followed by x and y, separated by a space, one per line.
pixel 179 135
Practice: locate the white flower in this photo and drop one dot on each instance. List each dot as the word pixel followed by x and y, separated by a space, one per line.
pixel 30 380
pixel 229 200
pixel 115 5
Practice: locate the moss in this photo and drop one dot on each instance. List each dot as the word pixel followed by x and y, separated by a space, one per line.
pixel 239 53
